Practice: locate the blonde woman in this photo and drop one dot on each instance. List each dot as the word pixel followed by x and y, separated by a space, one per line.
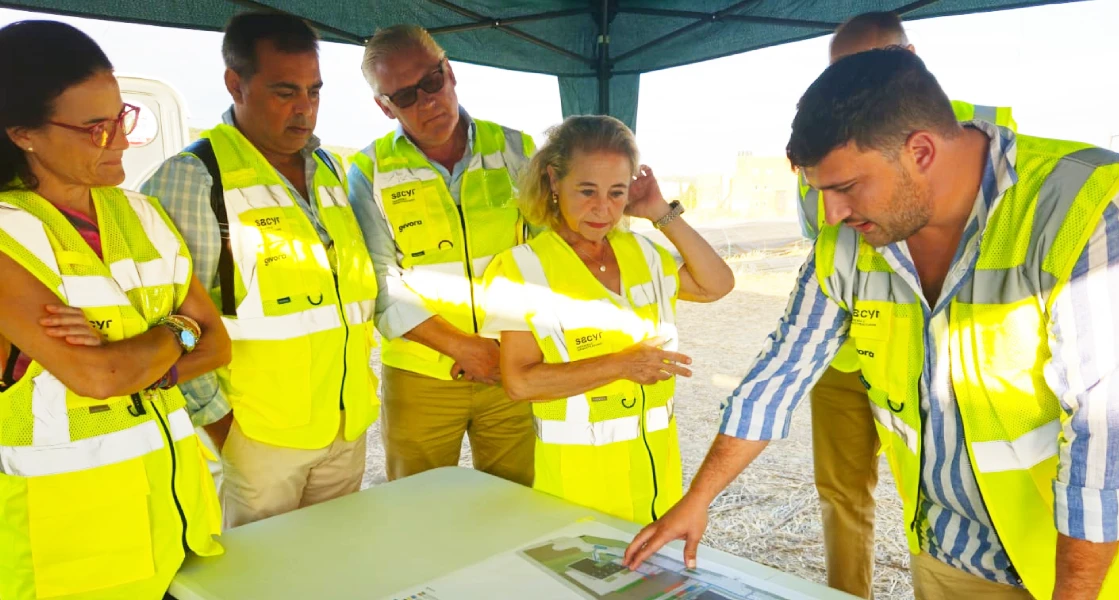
pixel 586 317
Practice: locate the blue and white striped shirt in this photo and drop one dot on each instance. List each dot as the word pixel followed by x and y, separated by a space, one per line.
pixel 1084 342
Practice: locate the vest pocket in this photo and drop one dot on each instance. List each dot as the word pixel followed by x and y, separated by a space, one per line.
pixel 90 529
pixel 419 222
pixel 282 247
pixel 268 391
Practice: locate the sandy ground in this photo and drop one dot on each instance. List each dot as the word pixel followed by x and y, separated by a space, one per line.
pixel 770 514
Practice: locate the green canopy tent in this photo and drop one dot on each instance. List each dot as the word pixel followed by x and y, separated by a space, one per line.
pixel 597 48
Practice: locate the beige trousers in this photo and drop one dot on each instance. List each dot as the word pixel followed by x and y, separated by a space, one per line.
pixel 423 420
pixel 261 480
pixel 845 454
pixel 934 580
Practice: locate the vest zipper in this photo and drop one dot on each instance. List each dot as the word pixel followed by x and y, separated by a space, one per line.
pixel 345 344
pixel 469 263
pixel 1014 576
pixel 652 462
pixel 174 470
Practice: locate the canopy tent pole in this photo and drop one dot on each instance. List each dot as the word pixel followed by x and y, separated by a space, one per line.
pixel 603 67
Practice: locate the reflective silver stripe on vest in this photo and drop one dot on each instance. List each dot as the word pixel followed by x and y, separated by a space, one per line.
pixel 51 425
pixel 601 433
pixel 577 428
pixel 90 453
pixel 131 275
pixel 1058 192
pixel 286 327
pixel 846 258
pixel 333 196
pixel 171 267
pixel 658 418
pixel 179 424
pixel 30 233
pixel 884 286
pixel 52 452
pixel 360 311
pixel 90 291
pixel 251 323
pixel 895 424
pixel 662 288
pixel 1055 199
pixel 1028 450
pixel 989 114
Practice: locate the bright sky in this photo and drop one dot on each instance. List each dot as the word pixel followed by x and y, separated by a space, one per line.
pixel 1053 64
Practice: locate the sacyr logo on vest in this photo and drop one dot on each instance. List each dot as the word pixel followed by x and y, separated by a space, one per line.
pixel 268 221
pixel 866 313
pixel 588 340
pixel 403 196
pixel 404 226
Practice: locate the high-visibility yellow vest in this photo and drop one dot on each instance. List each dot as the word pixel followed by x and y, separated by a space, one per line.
pixel 999 115
pixel 613 448
pixel 444 248
pixel 303 333
pixel 812 202
pixel 100 497
pixel 997 345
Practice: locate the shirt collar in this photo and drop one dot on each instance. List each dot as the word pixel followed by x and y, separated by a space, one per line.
pixel 313 142
pixel 462 115
pixel 999 175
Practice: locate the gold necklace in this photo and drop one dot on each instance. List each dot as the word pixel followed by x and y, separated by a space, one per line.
pixel 601 260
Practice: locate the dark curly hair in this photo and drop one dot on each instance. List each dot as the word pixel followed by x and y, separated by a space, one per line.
pixel 874 99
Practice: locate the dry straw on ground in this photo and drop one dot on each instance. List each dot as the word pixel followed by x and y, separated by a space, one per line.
pixel 770 514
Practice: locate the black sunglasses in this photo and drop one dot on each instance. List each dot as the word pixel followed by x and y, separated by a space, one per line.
pixel 431 83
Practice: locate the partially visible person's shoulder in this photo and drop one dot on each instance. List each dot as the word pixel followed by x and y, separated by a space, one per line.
pixel 184 166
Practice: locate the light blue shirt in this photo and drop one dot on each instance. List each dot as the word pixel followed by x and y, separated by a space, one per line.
pixel 405 308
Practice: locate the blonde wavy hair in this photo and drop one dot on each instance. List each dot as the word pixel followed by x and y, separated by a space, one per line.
pixel 390 40
pixel 583 133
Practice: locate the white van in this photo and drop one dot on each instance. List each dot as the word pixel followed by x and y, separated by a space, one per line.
pixel 161 132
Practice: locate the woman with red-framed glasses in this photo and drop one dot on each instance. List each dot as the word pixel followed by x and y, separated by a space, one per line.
pixel 102 480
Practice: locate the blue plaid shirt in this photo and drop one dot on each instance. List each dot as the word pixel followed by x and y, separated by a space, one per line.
pixel 182 185
pixel 1083 338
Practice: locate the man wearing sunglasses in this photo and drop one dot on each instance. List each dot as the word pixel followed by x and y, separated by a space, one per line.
pixel 436 200
pixel 264 212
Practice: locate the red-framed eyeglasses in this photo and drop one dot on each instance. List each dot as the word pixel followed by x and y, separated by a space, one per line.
pixel 102 134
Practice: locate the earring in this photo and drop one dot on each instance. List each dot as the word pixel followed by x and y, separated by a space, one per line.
pixel 30 149
pixel 555 198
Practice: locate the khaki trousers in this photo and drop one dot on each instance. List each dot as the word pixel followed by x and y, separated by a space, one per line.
pixel 934 580
pixel 845 454
pixel 261 480
pixel 423 421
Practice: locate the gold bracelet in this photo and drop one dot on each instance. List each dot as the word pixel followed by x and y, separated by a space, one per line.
pixel 675 209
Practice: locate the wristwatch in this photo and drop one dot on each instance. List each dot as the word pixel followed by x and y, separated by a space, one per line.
pixel 186 330
pixel 675 209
